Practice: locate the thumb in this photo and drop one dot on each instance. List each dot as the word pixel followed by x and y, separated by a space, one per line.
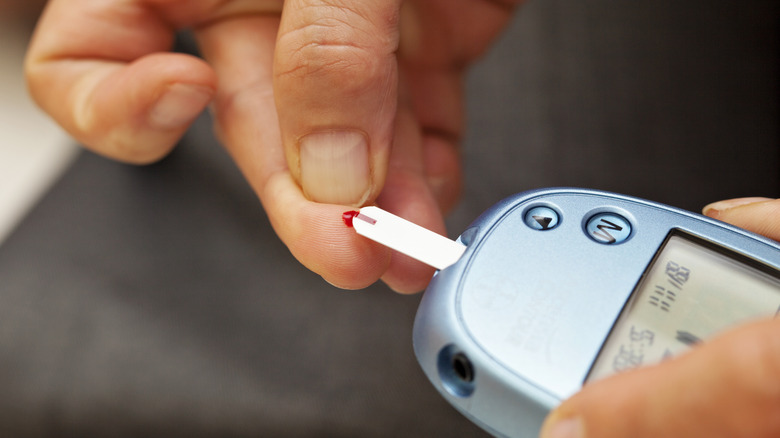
pixel 726 388
pixel 759 215
pixel 335 85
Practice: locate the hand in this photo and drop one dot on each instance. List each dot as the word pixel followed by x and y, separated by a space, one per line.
pixel 323 104
pixel 728 387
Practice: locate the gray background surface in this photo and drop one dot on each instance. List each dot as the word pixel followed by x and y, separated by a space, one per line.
pixel 157 301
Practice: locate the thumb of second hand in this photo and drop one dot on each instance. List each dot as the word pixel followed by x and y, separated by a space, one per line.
pixel 759 215
pixel 728 387
pixel 335 85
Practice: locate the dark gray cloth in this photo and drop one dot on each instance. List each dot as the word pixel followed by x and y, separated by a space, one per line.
pixel 156 301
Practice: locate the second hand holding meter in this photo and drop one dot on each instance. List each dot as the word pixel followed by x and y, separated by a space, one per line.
pixel 552 288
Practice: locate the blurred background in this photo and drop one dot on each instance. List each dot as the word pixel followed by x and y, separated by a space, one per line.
pixel 157 300
pixel 33 149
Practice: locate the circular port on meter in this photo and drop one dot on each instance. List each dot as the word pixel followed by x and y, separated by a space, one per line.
pixel 462 367
pixel 608 228
pixel 456 371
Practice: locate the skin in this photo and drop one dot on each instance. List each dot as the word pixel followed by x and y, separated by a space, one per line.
pixel 273 72
pixel 276 71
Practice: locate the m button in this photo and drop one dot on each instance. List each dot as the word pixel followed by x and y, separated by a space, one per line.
pixel 608 228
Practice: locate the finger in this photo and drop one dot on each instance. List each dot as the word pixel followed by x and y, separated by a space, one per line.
pixel 436 99
pixel 407 194
pixel 451 33
pixel 98 70
pixel 759 215
pixel 726 388
pixel 335 82
pixel 133 112
pixel 241 50
pixel 439 39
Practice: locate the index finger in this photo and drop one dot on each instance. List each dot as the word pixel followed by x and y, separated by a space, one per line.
pixel 102 71
pixel 241 50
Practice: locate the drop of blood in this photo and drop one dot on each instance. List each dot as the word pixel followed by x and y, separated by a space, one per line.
pixel 348 216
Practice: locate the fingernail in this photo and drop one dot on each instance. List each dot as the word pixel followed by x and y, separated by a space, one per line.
pixel 179 106
pixel 335 167
pixel 567 428
pixel 713 210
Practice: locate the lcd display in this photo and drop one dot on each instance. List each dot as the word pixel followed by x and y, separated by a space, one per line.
pixel 690 292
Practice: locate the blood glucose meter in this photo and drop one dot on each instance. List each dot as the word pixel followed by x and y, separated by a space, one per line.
pixel 558 287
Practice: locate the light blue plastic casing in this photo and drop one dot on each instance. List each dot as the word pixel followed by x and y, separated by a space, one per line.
pixel 513 327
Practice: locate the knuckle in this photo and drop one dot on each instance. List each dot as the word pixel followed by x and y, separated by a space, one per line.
pixel 335 42
pixel 322 59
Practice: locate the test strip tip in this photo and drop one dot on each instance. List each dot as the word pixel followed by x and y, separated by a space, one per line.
pixel 348 217
pixel 405 237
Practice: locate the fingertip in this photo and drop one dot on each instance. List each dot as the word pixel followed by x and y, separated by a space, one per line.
pixel 715 209
pixel 755 214
pixel 134 112
pixel 164 94
pixel 318 237
pixel 335 251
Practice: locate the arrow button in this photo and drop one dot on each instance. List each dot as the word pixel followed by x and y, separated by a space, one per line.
pixel 544 221
pixel 542 218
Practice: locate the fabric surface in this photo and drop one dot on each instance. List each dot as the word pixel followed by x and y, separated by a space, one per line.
pixel 156 301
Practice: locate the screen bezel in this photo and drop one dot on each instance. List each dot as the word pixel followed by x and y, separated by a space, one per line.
pixel 735 256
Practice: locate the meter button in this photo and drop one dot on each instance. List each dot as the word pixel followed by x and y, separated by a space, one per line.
pixel 542 218
pixel 608 228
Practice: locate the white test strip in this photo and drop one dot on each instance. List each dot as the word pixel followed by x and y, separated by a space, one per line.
pixel 407 238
